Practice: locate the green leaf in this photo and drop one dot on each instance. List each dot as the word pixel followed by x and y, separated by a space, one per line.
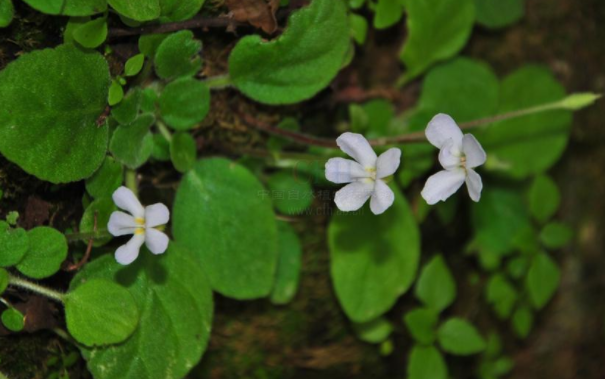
pixel 374 331
pixel 134 65
pixel 183 151
pixel 523 320
pixel 556 235
pixel 459 337
pixel 179 10
pixel 437 30
pixel 140 10
pixel 149 43
pixel 6 13
pixel 544 198
pixel 426 362
pixel 299 63
pixel 177 55
pixel 517 267
pixel 100 312
pixel 387 13
pixel 91 34
pixel 288 265
pixel 132 144
pixel 373 258
pixel 494 14
pixel 436 287
pixel 220 198
pixel 531 144
pixel 291 194
pixel 175 303
pixel 184 103
pixel 56 140
pixel 47 250
pixel 359 28
pixel 542 280
pixel 102 207
pixel 161 148
pixel 3 280
pixel 69 7
pixel 463 88
pixel 422 324
pixel 13 320
pixel 501 294
pixel 14 244
pixel 116 93
pixel 128 109
pixel 106 180
pixel 356 4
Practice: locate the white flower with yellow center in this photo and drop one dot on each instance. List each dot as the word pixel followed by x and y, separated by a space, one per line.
pixel 459 154
pixel 367 174
pixel 141 222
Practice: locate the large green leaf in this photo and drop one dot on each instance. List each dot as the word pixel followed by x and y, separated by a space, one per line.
pixel 48 122
pixel 426 362
pixel 69 7
pixel 436 287
pixel 175 301
pixel 184 103
pixel 459 337
pixel 531 144
pixel 495 14
pixel 437 30
pixel 139 10
pixel 373 258
pixel 177 54
pixel 300 62
pixel 222 213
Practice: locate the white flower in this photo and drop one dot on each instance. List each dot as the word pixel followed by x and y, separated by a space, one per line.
pixel 365 176
pixel 459 155
pixel 141 222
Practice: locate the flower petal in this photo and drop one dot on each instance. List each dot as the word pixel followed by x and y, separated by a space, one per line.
pixel 121 223
pixel 475 155
pixel 352 196
pixel 473 184
pixel 127 200
pixel 442 185
pixel 156 215
pixel 127 253
pixel 156 241
pixel 358 148
pixel 340 170
pixel 441 128
pixel 449 156
pixel 388 163
pixel 382 198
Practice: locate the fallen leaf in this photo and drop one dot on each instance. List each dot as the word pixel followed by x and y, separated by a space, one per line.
pixel 259 13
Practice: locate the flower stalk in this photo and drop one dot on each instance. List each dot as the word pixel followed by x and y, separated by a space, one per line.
pixel 44 291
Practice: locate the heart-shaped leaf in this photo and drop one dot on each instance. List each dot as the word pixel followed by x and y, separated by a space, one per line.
pixel 47 250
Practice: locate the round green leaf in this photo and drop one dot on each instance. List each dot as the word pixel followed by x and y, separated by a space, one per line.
pixel 102 207
pixel 56 140
pixel 496 14
pixel 375 331
pixel 140 10
pixel 14 243
pixel 459 337
pixel 542 280
pixel 100 312
pixel 184 103
pixel 6 13
pixel 3 280
pixel 523 320
pixel 556 235
pixel 437 30
pixel 92 33
pixel 436 287
pixel 183 151
pixel 373 258
pixel 106 180
pixel 175 303
pixel 359 28
pixel 422 325
pixel 288 266
pixel 179 10
pixel 132 144
pixel 291 194
pixel 13 320
pixel 223 214
pixel 161 148
pixel 177 55
pixel 544 198
pixel 134 65
pixel 69 7
pixel 116 93
pixel 47 250
pixel 387 13
pixel 300 62
pixel 426 362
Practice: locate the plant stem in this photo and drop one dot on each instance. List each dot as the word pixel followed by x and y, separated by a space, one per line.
pixel 218 82
pixel 51 294
pixel 131 181
pixel 163 129
pixel 194 23
pixel 99 234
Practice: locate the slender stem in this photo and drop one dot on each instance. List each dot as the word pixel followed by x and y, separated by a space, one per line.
pixel 85 236
pixel 64 335
pixel 131 181
pixel 163 129
pixel 194 23
pixel 51 294
pixel 218 82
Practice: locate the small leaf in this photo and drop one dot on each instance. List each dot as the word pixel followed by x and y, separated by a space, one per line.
pixel 436 287
pixel 387 13
pixel 577 101
pixel 161 148
pixel 47 250
pixel 501 294
pixel 542 280
pixel 116 93
pixel 132 144
pixel 140 10
pixel 106 180
pixel 288 264
pixel 556 235
pixel 134 65
pixel 375 331
pixel 422 324
pixel 523 320
pixel 100 312
pixel 359 28
pixel 184 103
pixel 91 34
pixel 128 109
pixel 291 194
pixel 69 7
pixel 177 55
pixel 183 151
pixel 495 14
pixel 14 244
pixel 179 10
pixel 426 362
pixel 544 198
pixel 13 320
pixel 459 337
pixel 148 44
pixel 6 13
pixel 278 71
pixel 101 208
